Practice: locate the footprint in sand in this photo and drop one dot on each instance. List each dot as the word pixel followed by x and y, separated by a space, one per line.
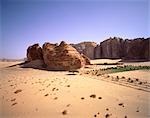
pixel 121 104
pixel 68 105
pixel 14 104
pixel 96 114
pixel 53 89
pixel 55 98
pixel 36 109
pixel 13 99
pixel 68 85
pixel 46 94
pixel 107 115
pixel 137 110
pixel 18 91
pixel 93 96
pixel 64 112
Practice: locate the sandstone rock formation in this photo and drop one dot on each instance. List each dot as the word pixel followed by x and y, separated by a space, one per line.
pixel 136 49
pixel 34 52
pixel 97 52
pixel 86 59
pixel 86 48
pixel 37 64
pixel 111 48
pixel 62 57
pixel 66 57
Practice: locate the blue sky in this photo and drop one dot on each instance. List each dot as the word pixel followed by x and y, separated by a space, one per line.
pixel 25 22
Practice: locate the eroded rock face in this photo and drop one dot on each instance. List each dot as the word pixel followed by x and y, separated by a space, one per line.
pixel 62 57
pixel 97 52
pixel 136 49
pixel 111 48
pixel 34 52
pixel 86 48
pixel 86 59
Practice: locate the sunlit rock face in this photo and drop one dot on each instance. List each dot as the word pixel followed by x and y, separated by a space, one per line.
pixel 86 48
pixel 62 57
pixel 86 59
pixel 34 52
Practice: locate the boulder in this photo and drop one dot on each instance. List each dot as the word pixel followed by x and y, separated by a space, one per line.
pixel 62 57
pixel 34 52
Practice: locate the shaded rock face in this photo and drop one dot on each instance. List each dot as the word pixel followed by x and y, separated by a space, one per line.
pixel 146 49
pixel 86 48
pixel 34 52
pixel 111 48
pixel 97 52
pixel 136 49
pixel 37 64
pixel 62 57
pixel 86 59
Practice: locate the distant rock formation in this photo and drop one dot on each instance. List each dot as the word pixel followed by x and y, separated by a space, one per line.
pixel 110 48
pixel 136 49
pixel 34 52
pixel 86 48
pixel 74 56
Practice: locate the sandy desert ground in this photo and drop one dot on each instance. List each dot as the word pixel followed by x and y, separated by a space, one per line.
pixel 33 93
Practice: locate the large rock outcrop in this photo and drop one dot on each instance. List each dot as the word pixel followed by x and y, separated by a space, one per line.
pixel 34 52
pixel 97 52
pixel 86 48
pixel 135 49
pixel 62 57
pixel 111 48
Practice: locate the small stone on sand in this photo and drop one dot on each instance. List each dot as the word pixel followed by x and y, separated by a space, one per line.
pixel 14 104
pixel 17 91
pixel 46 95
pixel 64 112
pixel 93 96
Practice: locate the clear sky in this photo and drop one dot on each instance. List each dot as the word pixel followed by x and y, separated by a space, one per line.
pixel 25 22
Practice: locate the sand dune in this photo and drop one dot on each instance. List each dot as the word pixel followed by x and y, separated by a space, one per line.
pixel 33 93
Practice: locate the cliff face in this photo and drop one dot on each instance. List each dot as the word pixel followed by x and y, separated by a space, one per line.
pixel 136 49
pixel 126 49
pixel 112 48
pixel 86 48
